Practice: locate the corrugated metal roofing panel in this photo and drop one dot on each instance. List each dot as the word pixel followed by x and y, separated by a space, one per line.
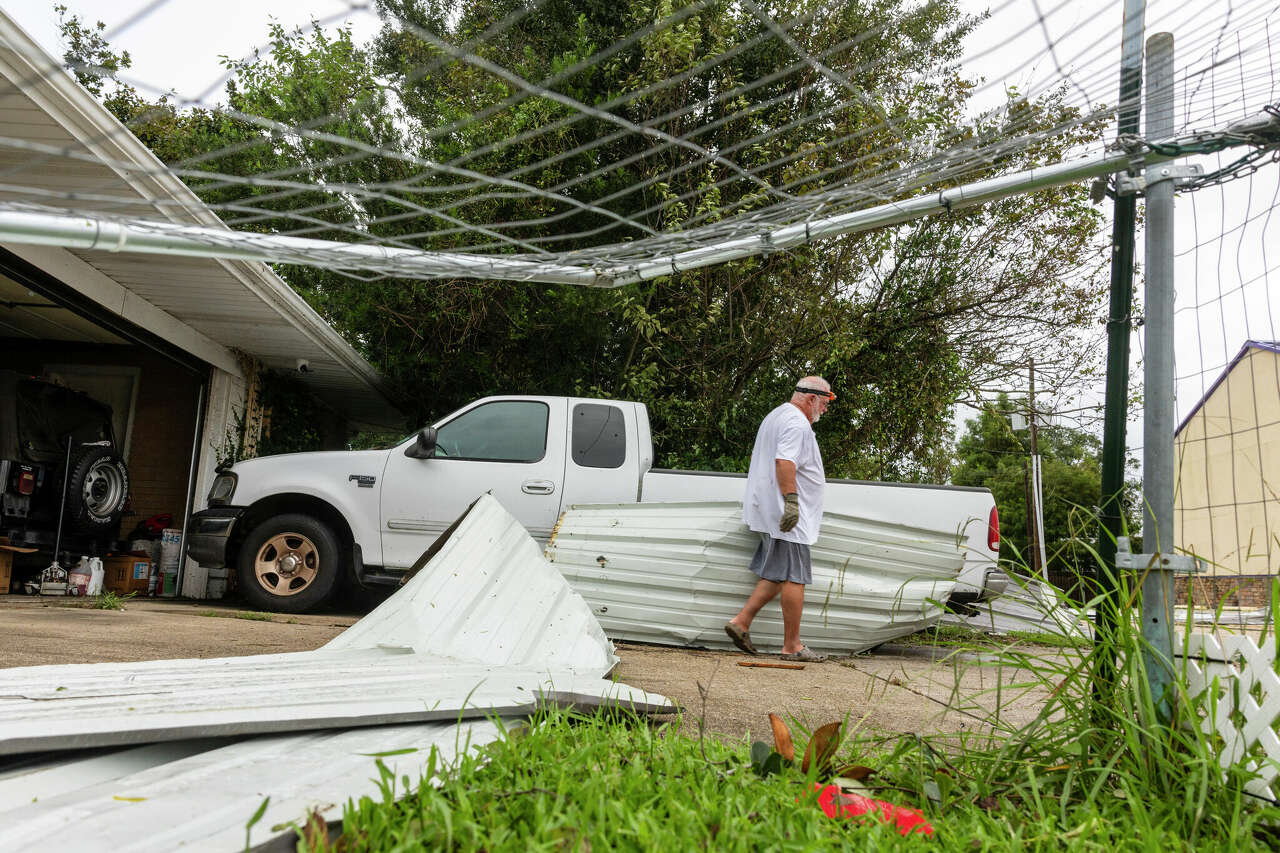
pixel 676 572
pixel 487 626
pixel 486 597
pixel 488 594
pixel 86 705
pixel 145 799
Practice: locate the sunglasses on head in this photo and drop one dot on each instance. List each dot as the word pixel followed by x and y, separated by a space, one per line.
pixel 817 392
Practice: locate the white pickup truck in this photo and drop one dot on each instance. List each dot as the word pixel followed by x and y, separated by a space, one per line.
pixel 293 526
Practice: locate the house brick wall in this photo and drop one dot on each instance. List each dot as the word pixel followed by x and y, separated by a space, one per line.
pixel 164 425
pixel 1213 591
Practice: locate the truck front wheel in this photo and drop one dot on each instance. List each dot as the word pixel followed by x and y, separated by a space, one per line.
pixel 289 564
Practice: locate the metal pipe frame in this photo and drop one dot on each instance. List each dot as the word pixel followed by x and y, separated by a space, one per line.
pixel 84 232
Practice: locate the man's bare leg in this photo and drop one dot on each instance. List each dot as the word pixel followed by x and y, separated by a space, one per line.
pixel 764 592
pixel 792 609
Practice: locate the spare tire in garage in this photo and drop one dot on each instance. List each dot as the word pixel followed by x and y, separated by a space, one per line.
pixel 97 489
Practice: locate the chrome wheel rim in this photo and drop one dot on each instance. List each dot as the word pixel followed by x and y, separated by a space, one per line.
pixel 104 489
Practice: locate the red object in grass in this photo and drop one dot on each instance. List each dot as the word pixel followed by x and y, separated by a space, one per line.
pixel 835 803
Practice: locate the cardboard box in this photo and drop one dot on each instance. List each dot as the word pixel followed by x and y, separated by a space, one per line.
pixel 126 573
pixel 6 563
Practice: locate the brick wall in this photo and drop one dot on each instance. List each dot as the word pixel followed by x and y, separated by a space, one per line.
pixel 1212 591
pixel 1206 591
pixel 164 423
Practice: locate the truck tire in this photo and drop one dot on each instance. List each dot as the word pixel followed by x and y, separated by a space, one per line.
pixel 97 490
pixel 289 564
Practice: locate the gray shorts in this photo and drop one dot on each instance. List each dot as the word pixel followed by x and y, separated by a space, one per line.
pixel 779 560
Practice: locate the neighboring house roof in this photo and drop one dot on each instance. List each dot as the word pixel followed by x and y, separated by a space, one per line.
pixel 1269 346
pixel 60 140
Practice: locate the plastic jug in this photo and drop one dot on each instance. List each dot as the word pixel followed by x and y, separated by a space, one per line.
pixel 79 578
pixel 97 574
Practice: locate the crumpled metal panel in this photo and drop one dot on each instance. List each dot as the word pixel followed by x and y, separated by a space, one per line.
pixel 487 595
pixel 87 705
pixel 486 627
pixel 155 799
pixel 674 573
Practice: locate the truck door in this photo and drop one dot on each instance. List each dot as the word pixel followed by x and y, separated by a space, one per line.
pixel 603 465
pixel 513 448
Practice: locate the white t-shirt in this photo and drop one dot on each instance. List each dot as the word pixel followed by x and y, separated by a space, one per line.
pixel 785 433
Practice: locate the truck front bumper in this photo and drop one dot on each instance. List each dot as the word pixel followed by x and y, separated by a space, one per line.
pixel 210 533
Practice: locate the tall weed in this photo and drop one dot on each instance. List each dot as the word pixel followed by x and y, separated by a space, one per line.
pixel 1099 767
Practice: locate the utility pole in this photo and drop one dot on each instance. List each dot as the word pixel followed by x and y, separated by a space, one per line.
pixel 1158 425
pixel 1039 561
pixel 1118 328
pixel 1029 501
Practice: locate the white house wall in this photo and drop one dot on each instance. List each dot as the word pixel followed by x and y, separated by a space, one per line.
pixel 224 400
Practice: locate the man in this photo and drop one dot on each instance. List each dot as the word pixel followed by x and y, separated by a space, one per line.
pixel 783 503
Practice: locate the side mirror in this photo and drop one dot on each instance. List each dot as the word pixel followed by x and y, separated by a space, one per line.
pixel 424 446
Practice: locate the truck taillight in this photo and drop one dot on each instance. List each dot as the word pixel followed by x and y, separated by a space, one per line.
pixel 993 530
pixel 26 482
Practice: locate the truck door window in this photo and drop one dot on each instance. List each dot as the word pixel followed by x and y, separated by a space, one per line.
pixel 502 431
pixel 599 436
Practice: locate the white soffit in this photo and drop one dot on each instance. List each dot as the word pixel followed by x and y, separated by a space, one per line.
pixel 75 156
pixel 675 573
pixel 164 797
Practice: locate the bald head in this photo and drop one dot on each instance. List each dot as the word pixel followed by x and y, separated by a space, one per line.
pixel 812 405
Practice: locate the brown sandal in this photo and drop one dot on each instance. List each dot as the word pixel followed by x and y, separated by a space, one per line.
pixel 741 638
pixel 805 654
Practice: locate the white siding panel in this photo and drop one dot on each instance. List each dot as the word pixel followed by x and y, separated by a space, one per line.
pixel 486 594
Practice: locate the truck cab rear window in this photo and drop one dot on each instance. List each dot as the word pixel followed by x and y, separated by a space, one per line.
pixel 502 431
pixel 599 436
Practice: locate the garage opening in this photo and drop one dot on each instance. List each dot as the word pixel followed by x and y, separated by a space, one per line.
pixel 96 405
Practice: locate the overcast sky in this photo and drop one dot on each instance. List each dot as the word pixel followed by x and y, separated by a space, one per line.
pixel 1223 280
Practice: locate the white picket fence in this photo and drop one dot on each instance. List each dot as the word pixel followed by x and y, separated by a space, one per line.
pixel 1238 693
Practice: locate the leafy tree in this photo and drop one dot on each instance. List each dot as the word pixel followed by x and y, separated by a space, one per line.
pixel 89 55
pixel 991 454
pixel 902 321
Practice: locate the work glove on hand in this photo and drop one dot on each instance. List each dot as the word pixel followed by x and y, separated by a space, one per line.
pixel 790 512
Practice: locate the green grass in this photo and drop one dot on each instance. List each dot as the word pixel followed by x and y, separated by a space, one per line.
pixel 1099 768
pixel 1056 641
pixel 251 615
pixel 576 783
pixel 954 636
pixel 112 601
pixel 963 638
